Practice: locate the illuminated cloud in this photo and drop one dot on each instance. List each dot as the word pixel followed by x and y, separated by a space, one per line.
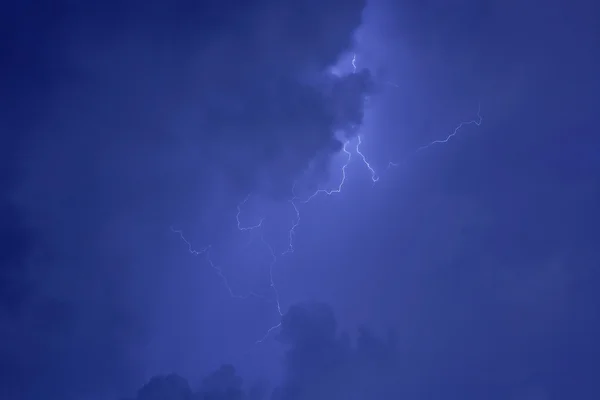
pixel 130 115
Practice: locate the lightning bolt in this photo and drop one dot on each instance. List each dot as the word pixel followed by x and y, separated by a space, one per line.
pixel 338 189
pixel 457 129
pixel 295 223
pixel 292 233
pixel 296 202
pixel 216 267
pixel 206 251
pixel 374 176
pixel 476 122
pixel 328 192
pixel 275 292
pixel 189 245
pixel 237 217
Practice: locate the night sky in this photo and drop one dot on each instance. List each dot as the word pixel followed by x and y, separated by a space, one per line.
pixel 159 235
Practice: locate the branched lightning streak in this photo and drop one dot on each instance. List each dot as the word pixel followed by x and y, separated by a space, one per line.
pixel 374 176
pixel 295 222
pixel 206 251
pixel 328 192
pixel 476 122
pixel 275 292
pixel 189 245
pixel 237 217
pixel 296 201
pixel 217 268
pixel 338 189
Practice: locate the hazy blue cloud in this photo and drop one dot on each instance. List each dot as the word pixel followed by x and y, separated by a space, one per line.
pixel 120 118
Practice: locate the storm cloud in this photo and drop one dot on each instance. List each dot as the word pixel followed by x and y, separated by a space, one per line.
pixel 122 117
pixel 122 122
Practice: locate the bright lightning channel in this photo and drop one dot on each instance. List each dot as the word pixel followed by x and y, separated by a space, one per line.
pixel 237 217
pixel 457 129
pixel 374 176
pixel 476 122
pixel 338 189
pixel 295 223
pixel 295 201
pixel 206 251
pixel 275 292
pixel 216 267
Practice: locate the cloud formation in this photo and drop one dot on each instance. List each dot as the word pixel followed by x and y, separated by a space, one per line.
pixel 124 116
pixel 322 363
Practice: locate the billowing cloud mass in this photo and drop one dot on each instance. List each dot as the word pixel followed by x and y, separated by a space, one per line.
pixel 322 362
pixel 120 120
pixel 122 117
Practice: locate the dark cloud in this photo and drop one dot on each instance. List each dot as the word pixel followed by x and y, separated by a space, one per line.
pixel 322 363
pixel 165 387
pixel 122 117
pixel 249 89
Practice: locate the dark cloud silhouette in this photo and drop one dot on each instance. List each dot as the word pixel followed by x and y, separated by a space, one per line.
pixel 322 363
pixel 120 118
pixel 165 387
pixel 252 90
pixel 222 384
